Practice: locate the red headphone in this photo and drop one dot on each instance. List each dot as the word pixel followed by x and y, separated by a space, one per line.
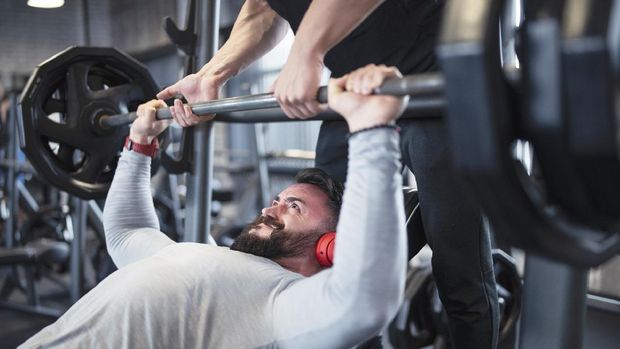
pixel 324 250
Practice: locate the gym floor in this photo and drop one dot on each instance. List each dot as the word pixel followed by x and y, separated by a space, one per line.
pixel 17 326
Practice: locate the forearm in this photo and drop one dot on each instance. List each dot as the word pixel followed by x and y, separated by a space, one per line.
pixel 256 31
pixel 327 22
pixel 129 218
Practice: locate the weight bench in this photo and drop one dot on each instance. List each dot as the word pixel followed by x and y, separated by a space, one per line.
pixel 29 256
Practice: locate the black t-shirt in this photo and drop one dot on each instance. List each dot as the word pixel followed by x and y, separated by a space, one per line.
pixel 399 33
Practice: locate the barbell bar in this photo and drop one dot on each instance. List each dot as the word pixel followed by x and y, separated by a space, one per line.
pixel 428 87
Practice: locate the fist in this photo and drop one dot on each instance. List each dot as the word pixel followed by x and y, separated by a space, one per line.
pixel 351 96
pixel 146 127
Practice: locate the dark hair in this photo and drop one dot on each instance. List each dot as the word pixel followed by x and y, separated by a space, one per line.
pixel 327 184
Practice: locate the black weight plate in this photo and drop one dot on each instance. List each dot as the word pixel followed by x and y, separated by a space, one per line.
pixel 60 104
pixel 591 112
pixel 483 117
pixel 544 124
pixel 414 325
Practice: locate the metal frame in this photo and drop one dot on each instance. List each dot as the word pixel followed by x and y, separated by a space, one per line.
pixel 14 190
pixel 199 186
pixel 11 183
pixel 554 311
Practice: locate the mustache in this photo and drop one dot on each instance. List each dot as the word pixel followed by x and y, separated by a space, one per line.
pixel 279 244
pixel 269 221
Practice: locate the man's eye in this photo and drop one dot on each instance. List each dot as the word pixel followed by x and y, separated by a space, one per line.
pixel 274 203
pixel 295 206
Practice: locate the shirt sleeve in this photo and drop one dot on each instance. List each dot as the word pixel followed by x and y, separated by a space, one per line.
pixel 129 218
pixel 342 306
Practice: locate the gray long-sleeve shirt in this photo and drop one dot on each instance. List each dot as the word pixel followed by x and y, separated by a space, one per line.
pixel 189 295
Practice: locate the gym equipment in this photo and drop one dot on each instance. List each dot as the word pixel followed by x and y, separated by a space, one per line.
pixel 198 180
pixel 571 127
pixel 483 126
pixel 48 222
pixel 61 105
pixel 422 320
pixel 39 251
pixel 544 124
pixel 414 325
pixel 509 292
pixel 415 85
pixel 185 41
pixel 592 112
pixel 71 129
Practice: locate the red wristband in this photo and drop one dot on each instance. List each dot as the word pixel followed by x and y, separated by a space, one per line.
pixel 145 149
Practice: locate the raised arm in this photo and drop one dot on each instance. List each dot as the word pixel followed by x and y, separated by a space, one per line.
pixel 343 306
pixel 129 219
pixel 256 31
pixel 324 25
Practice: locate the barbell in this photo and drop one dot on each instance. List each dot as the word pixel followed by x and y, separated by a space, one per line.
pixel 428 85
pixel 76 107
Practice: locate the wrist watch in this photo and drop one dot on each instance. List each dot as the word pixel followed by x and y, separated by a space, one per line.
pixel 145 149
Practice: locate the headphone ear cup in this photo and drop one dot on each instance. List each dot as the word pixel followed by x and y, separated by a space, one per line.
pixel 324 250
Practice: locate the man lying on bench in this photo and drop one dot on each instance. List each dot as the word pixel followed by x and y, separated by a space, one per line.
pixel 274 286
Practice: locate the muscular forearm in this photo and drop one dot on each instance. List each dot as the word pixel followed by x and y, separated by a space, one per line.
pixel 129 218
pixel 327 22
pixel 256 31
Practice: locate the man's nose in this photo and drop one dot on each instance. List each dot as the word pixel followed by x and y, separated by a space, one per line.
pixel 271 211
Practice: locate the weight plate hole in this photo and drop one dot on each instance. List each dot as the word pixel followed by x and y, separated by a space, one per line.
pixel 104 77
pixel 79 157
pixel 57 118
pixel 53 147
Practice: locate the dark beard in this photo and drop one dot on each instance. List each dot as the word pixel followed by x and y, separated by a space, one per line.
pixel 280 244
